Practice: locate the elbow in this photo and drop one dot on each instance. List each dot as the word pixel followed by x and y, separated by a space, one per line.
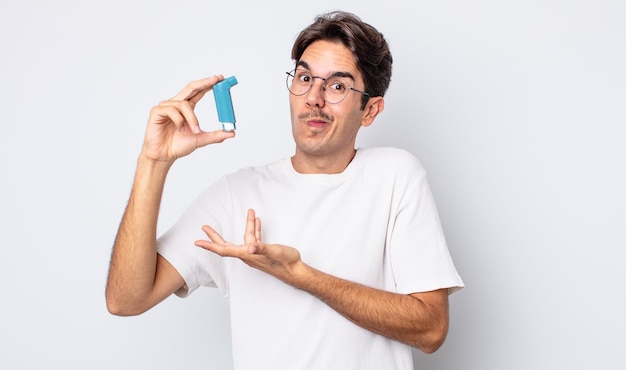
pixel 119 306
pixel 432 345
pixel 430 335
pixel 115 308
pixel 432 340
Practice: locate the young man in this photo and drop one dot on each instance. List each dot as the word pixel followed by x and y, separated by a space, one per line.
pixel 350 267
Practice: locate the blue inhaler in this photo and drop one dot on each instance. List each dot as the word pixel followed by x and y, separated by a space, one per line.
pixel 224 103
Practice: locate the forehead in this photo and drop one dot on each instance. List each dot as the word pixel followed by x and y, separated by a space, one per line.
pixel 326 57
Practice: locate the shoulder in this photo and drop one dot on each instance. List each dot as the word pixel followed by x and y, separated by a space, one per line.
pixel 391 159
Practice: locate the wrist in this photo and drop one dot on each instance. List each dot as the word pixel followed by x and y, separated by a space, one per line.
pixel 147 163
pixel 304 276
pixel 151 173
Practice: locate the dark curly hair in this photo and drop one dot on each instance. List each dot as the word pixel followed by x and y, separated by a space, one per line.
pixel 367 44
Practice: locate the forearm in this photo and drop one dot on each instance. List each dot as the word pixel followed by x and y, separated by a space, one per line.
pixel 420 320
pixel 134 259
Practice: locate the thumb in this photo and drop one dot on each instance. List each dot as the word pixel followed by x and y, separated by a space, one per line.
pixel 255 248
pixel 213 137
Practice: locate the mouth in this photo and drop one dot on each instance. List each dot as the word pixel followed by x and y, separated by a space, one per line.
pixel 316 123
pixel 316 119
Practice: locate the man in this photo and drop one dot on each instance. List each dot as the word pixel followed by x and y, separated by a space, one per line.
pixel 349 268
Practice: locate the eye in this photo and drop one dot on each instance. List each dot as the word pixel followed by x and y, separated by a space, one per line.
pixel 303 77
pixel 336 86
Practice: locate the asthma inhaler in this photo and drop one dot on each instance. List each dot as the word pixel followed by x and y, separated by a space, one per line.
pixel 224 103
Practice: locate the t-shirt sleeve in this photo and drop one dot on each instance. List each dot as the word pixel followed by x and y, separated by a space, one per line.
pixel 420 257
pixel 197 266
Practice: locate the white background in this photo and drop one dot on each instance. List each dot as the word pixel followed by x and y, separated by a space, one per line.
pixel 516 109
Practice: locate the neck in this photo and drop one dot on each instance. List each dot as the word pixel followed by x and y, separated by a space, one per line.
pixel 308 164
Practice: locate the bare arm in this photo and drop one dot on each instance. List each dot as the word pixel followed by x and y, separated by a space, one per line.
pixel 419 319
pixel 138 277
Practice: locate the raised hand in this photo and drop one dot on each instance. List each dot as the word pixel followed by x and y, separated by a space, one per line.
pixel 173 129
pixel 278 260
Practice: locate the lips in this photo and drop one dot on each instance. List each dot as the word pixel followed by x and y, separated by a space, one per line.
pixel 316 123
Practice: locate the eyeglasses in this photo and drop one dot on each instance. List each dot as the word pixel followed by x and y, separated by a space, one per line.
pixel 334 88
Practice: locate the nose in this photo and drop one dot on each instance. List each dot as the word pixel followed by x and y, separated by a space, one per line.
pixel 315 95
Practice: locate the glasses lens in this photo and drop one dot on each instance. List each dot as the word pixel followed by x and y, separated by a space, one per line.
pixel 335 89
pixel 299 81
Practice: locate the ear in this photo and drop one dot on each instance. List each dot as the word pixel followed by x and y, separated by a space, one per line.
pixel 373 107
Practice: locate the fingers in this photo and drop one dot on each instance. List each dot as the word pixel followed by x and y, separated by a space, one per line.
pixel 206 138
pixel 253 228
pixel 253 252
pixel 180 109
pixel 274 259
pixel 213 235
pixel 257 229
pixel 195 90
pixel 180 113
pixel 217 244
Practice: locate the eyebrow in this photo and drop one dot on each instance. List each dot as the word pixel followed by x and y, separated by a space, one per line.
pixel 349 75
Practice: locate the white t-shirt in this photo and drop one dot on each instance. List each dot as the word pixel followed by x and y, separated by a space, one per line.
pixel 375 223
